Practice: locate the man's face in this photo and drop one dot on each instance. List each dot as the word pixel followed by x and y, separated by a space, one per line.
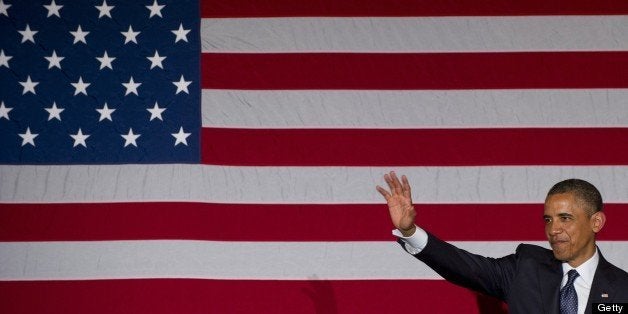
pixel 569 228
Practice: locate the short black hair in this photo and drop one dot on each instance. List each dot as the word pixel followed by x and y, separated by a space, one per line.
pixel 583 191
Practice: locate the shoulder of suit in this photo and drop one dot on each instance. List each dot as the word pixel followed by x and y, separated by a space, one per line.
pixel 618 273
pixel 535 250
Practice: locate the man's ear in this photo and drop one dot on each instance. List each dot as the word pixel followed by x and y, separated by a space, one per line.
pixel 597 221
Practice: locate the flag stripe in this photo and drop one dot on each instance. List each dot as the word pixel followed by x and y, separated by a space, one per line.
pixel 463 34
pixel 415 109
pixel 233 296
pixel 400 8
pixel 224 260
pixel 399 71
pixel 294 185
pixel 215 260
pixel 424 147
pixel 299 222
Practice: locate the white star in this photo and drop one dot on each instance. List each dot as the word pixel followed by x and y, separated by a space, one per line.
pixel 181 137
pixel 131 87
pixel 28 137
pixel 55 61
pixel 79 35
pixel 29 86
pixel 3 8
pixel 54 112
pixel 105 61
pixel 155 9
pixel 182 85
pixel 79 138
pixel 105 113
pixel 4 111
pixel 4 59
pixel 104 9
pixel 156 112
pixel 80 86
pixel 182 34
pixel 28 34
pixel 130 35
pixel 53 9
pixel 130 138
pixel 155 61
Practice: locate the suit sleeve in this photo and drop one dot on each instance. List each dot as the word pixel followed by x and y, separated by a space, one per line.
pixel 490 276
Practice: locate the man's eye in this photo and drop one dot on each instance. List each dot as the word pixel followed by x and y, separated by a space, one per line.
pixel 547 220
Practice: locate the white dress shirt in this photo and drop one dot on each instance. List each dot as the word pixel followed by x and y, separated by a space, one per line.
pixel 414 243
pixel 583 282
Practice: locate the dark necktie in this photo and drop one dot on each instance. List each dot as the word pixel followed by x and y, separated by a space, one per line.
pixel 568 296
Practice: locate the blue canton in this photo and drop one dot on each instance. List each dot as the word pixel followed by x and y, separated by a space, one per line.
pixel 99 82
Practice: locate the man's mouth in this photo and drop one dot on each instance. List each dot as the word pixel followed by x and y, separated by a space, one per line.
pixel 558 242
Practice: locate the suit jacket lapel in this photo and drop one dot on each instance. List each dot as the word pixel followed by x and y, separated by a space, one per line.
pixel 549 275
pixel 602 284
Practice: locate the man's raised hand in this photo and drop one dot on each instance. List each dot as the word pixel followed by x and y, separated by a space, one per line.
pixel 399 201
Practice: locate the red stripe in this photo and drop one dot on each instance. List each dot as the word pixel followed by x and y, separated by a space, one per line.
pixel 393 71
pixel 415 147
pixel 253 8
pixel 240 296
pixel 256 222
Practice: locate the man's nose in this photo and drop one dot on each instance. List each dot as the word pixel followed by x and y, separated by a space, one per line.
pixel 555 228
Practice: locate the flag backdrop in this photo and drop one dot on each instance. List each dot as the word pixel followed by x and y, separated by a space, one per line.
pixel 222 156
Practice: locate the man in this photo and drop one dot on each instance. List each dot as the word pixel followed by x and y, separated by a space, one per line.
pixel 566 279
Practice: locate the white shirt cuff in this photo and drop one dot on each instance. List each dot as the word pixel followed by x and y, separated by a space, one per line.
pixel 415 243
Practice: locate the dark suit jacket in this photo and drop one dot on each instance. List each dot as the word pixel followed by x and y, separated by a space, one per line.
pixel 529 280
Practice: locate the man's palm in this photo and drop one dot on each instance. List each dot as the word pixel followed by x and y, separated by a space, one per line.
pixel 402 213
pixel 399 201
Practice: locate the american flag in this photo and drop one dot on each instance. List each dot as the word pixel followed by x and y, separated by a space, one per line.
pixel 183 157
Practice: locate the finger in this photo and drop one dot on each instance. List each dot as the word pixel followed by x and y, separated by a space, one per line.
pixel 396 184
pixel 390 183
pixel 383 192
pixel 407 191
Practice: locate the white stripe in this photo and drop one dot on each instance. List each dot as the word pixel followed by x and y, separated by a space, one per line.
pixel 234 260
pixel 420 34
pixel 290 185
pixel 415 109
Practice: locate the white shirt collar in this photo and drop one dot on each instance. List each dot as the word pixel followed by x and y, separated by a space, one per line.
pixel 586 270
